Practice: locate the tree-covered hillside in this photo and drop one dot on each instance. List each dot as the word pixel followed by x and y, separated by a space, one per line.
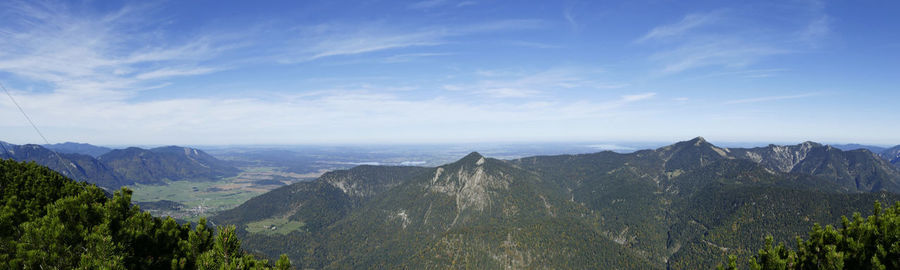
pixel 683 206
pixel 860 243
pixel 155 165
pixel 78 148
pixel 76 166
pixel 122 167
pixel 48 221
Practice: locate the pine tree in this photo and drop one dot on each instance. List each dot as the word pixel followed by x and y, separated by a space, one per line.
pixel 870 243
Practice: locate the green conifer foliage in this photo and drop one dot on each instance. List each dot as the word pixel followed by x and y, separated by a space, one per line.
pixel 870 243
pixel 48 221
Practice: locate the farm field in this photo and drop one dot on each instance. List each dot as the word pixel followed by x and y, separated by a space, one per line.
pixel 195 199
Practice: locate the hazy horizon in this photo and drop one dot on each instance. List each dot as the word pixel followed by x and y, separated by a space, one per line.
pixel 617 146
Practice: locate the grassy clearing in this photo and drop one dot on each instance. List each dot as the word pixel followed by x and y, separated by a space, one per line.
pixel 274 226
pixel 204 198
pixel 194 194
pixel 261 169
pixel 201 199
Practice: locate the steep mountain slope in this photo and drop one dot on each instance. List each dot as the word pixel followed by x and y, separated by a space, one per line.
pixel 681 206
pixel 436 217
pixel 126 166
pixel 78 148
pixel 75 166
pixel 892 155
pixel 156 165
pixel 729 206
pixel 320 203
pixel 858 170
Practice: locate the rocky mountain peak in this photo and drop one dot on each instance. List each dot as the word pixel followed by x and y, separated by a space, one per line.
pixel 470 161
pixel 810 145
pixel 470 181
pixel 472 157
pixel 698 141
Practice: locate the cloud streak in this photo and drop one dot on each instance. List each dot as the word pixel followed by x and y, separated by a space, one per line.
pixel 731 39
pixel 722 52
pixel 770 98
pixel 335 116
pixel 340 40
pixel 92 55
pixel 521 84
pixel 688 23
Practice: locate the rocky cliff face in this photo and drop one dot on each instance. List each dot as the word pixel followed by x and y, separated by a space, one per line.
pixel 779 157
pixel 366 181
pixel 469 182
pixel 859 170
pixel 892 155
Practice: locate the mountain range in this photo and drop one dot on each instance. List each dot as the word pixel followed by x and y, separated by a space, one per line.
pixel 682 206
pixel 120 167
pixel 78 148
pixel 891 154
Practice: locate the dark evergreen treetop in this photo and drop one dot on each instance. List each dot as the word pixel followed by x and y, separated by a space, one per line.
pixel 48 221
pixel 860 243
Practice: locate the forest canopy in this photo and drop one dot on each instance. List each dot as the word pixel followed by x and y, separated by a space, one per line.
pixel 48 221
pixel 860 243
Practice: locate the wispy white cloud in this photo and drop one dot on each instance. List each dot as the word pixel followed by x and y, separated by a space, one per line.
pixel 721 52
pixel 637 97
pixel 509 92
pixel 532 44
pixel 569 15
pixel 816 30
pixel 407 57
pixel 525 84
pixel 746 74
pixel 427 4
pixel 174 72
pixel 334 115
pixel 365 41
pixel 733 38
pixel 771 98
pixel 95 55
pixel 688 23
pixel 336 40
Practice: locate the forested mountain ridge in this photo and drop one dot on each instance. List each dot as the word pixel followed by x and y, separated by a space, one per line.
pixel 891 154
pixel 859 170
pixel 123 167
pixel 152 166
pixel 76 166
pixel 854 146
pixel 413 224
pixel 78 148
pixel 681 206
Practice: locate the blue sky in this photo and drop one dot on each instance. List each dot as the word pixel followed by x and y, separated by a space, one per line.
pixel 444 71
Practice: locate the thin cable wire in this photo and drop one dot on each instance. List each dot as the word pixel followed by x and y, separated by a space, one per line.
pixel 61 161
